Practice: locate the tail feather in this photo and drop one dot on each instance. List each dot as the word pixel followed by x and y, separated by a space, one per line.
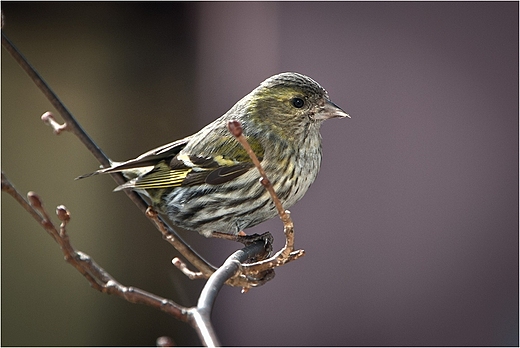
pixel 127 185
pixel 88 175
pixel 112 169
pixel 143 163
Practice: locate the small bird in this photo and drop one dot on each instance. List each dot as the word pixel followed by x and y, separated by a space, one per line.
pixel 207 183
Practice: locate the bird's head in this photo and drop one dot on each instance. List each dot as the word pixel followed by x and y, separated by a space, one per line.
pixel 291 102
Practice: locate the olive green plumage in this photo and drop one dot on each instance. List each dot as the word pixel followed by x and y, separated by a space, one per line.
pixel 206 182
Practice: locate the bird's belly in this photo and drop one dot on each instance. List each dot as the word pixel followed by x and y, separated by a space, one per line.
pixel 236 205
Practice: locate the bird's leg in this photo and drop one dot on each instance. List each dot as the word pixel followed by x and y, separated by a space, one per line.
pixel 245 239
pixel 225 236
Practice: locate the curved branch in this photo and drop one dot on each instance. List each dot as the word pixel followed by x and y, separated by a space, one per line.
pixel 200 315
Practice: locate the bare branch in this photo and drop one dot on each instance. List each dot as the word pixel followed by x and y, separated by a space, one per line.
pixel 95 275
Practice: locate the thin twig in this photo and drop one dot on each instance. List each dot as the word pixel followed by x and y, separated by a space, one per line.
pixel 287 253
pixel 182 247
pixel 187 272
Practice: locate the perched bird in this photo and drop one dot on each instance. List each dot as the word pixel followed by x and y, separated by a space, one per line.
pixel 206 182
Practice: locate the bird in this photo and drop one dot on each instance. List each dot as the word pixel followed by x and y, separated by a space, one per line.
pixel 207 182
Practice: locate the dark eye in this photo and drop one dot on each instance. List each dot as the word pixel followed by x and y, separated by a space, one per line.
pixel 297 102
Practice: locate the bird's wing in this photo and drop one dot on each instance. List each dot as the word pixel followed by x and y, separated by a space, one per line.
pixel 224 160
pixel 147 159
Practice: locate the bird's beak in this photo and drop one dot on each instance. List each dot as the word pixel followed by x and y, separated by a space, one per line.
pixel 330 110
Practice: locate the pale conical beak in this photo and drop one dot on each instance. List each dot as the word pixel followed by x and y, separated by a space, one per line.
pixel 330 110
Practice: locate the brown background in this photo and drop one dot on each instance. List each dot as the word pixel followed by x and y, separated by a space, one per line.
pixel 411 229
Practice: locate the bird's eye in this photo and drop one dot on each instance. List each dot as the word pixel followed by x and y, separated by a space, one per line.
pixel 298 102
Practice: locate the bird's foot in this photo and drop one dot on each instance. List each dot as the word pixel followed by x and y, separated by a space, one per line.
pixel 246 239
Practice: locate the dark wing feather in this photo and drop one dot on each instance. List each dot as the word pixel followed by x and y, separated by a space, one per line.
pixel 224 174
pixel 163 176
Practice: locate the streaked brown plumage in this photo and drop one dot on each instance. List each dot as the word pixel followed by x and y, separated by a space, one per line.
pixel 206 182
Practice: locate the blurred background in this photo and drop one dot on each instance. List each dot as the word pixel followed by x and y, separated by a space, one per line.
pixel 410 230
